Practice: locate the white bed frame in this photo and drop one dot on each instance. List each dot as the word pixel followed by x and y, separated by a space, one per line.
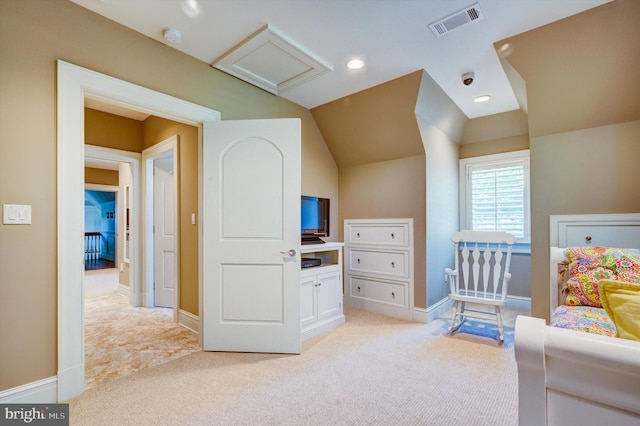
pixel 567 377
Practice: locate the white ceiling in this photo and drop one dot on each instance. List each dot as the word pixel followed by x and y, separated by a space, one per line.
pixel 392 36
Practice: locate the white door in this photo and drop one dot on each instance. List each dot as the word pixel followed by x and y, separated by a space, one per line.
pixel 164 220
pixel 251 236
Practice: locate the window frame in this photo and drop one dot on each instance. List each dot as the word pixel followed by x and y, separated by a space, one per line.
pixel 466 165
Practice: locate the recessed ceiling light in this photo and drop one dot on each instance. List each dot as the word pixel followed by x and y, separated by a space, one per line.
pixel 482 98
pixel 355 64
pixel 506 50
pixel 191 8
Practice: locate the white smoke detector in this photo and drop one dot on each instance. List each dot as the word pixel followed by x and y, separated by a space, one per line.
pixel 172 35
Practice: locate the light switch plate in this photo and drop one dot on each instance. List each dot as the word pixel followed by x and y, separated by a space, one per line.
pixel 16 214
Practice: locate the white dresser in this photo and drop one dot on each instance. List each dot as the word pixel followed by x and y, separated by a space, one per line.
pixel 321 289
pixel 379 266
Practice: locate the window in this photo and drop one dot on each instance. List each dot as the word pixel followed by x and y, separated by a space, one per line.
pixel 494 194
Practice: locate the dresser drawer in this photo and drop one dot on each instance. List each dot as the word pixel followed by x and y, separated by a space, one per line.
pixel 378 234
pixel 378 291
pixel 393 264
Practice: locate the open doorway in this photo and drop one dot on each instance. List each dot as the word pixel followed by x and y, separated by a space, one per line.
pixel 100 224
pixel 74 84
pixel 162 230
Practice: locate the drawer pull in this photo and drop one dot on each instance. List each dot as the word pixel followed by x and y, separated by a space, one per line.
pixel 358 235
pixel 393 264
pixel 393 295
pixel 358 289
pixel 393 235
pixel 358 261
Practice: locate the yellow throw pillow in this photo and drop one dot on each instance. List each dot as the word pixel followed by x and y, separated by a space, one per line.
pixel 621 300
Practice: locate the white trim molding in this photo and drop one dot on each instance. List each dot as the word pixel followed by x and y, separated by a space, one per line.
pixel 189 321
pixel 438 309
pixel 39 392
pixel 519 302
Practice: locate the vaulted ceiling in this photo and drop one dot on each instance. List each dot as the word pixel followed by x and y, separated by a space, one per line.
pixel 392 37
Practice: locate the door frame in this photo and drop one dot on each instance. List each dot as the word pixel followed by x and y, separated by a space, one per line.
pixel 74 83
pixel 148 272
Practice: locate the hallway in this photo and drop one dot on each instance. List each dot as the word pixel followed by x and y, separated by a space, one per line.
pixel 121 339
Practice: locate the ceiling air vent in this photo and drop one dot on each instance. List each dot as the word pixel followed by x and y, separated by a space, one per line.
pixel 457 19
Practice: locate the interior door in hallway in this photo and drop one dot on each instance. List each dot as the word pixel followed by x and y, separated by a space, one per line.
pixel 164 208
pixel 251 236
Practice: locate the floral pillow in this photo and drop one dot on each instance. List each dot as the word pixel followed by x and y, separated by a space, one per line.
pixel 591 264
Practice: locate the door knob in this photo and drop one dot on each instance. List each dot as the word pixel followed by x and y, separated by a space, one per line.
pixel 291 252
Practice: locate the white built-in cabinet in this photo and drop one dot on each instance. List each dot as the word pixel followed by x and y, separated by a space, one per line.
pixel 379 266
pixel 321 289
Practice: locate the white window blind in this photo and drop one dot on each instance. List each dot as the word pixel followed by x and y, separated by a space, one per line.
pixel 495 194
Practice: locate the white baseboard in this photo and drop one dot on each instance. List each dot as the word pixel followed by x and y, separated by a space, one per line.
pixel 70 382
pixel 419 315
pixel 321 326
pixel 437 309
pixel 519 303
pixel 440 307
pixel 123 290
pixel 39 392
pixel 189 320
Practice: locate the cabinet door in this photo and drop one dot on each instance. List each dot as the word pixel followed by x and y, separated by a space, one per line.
pixel 308 311
pixel 329 293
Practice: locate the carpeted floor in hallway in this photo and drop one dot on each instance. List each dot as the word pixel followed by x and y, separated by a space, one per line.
pixel 121 339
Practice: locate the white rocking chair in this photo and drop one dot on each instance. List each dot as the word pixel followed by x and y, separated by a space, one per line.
pixel 481 275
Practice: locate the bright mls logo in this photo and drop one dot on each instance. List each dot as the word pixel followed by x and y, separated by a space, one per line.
pixel 37 414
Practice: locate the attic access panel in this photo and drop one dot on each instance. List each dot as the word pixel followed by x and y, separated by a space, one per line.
pixel 271 61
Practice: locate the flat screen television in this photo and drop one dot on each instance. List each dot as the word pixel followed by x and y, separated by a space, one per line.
pixel 314 215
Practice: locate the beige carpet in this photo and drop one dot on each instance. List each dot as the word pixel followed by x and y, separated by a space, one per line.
pixel 120 339
pixel 373 370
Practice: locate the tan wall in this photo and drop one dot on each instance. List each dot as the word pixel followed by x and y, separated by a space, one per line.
pixel 583 172
pixel 579 70
pixel 33 35
pixel 112 131
pixel 583 126
pixel 389 189
pixel 100 176
pixel 497 126
pixel 494 146
pixel 373 125
pixel 320 176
